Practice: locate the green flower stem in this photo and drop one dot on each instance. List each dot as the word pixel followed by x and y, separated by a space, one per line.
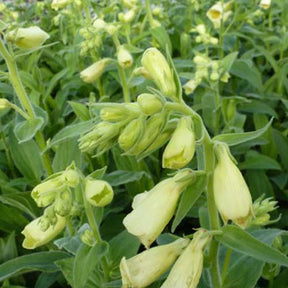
pixel 122 74
pixel 96 233
pixel 149 12
pixel 226 263
pixel 25 102
pixel 209 163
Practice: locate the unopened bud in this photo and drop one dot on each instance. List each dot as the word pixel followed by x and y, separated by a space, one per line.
pixel 93 72
pixel 71 177
pixel 63 203
pixel 131 134
pixel 127 17
pixel 190 86
pixel 141 71
pixel 149 104
pixel 99 24
pixel 88 238
pixel 99 193
pixel 4 103
pixel 27 38
pixel 155 63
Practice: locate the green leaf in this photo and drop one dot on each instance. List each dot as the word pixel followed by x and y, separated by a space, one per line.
pixel 72 131
pixel 123 245
pixel 8 248
pixel 122 177
pixel 228 61
pixel 26 130
pixel 85 261
pixel 244 273
pixel 188 199
pixel 11 219
pixel 233 139
pixel 66 153
pixel 255 106
pixel 241 241
pixel 21 201
pixel 81 110
pixel 66 267
pixel 162 37
pixel 26 157
pixel 42 261
pixel 254 160
pixel 245 69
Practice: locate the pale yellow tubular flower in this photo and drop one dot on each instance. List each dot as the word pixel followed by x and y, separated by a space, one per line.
pixel 181 147
pixel 93 72
pixel 219 12
pixel 232 196
pixel 265 4
pixel 98 193
pixel 124 57
pixel 35 237
pixel 59 4
pixel 146 267
pixel 187 270
pixel 154 209
pixel 27 38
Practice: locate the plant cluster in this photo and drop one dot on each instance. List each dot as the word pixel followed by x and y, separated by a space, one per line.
pixel 143 143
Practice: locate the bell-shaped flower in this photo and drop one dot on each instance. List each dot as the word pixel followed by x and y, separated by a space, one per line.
pixel 146 267
pixel 265 4
pixel 219 12
pixel 181 147
pixel 59 4
pixel 45 192
pixel 98 193
pixel 27 38
pixel 232 196
pixel 157 66
pixel 187 270
pixel 124 57
pixel 94 71
pixel 153 210
pixel 35 237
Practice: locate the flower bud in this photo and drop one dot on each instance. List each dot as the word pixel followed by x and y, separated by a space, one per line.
pixel 153 210
pixel 187 270
pixel 141 71
pixel 181 147
pixel 93 72
pixel 154 126
pixel 98 193
pixel 71 177
pixel 129 3
pixel 63 203
pixel 59 4
pixel 146 267
pixel 35 237
pixel 27 38
pixel 117 112
pixel 45 193
pixel 232 196
pixel 149 104
pixel 49 215
pixel 265 4
pixel 131 134
pixel 99 24
pixel 155 63
pixel 4 103
pixel 124 57
pixel 100 135
pixel 127 17
pixel 111 29
pixel 88 238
